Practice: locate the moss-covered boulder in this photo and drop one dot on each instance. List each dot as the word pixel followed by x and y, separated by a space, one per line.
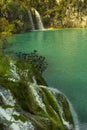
pixel 25 105
pixel 37 106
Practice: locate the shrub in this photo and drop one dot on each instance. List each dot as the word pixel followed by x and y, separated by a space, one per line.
pixel 34 59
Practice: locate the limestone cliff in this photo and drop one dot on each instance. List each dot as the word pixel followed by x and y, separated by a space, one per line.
pixel 18 17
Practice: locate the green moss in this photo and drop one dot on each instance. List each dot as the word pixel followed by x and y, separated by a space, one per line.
pixel 52 108
pixel 21 118
pixel 7 106
pixel 38 101
pixel 66 108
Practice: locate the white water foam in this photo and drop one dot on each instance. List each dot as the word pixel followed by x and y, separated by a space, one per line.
pixel 14 72
pixel 6 113
pixel 38 98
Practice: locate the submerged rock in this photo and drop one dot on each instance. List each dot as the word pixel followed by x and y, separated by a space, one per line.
pixel 25 105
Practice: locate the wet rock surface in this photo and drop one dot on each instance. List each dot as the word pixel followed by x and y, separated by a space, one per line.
pixel 25 105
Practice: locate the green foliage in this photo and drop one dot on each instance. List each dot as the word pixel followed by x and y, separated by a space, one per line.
pixel 10 28
pixel 34 59
pixel 14 17
pixel 3 24
pixel 23 68
pixel 4 63
pixel 52 13
pixel 34 102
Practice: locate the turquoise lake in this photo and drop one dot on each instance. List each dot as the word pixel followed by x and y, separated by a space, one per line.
pixel 66 54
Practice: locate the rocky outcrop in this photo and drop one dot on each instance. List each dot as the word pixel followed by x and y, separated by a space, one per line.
pixel 39 109
pixel 25 105
pixel 74 19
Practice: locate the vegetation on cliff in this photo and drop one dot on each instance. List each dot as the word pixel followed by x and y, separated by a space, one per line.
pixel 33 73
pixel 37 61
pixel 27 105
pixel 14 17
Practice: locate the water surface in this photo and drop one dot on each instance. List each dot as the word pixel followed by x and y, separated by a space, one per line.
pixel 66 54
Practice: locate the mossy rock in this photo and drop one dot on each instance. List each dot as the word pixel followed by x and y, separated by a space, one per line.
pixel 37 103
pixel 17 69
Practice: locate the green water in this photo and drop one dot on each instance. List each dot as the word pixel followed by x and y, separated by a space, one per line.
pixel 66 54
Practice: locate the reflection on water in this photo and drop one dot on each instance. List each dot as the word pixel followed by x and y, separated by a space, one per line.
pixel 66 53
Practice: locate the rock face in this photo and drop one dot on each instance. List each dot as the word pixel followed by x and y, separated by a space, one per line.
pixel 24 105
pixel 40 110
pixel 74 19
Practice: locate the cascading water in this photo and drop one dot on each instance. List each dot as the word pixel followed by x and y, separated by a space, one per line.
pixel 8 111
pixel 34 106
pixel 35 20
pixel 39 24
pixel 31 20
pixel 74 115
pixel 6 114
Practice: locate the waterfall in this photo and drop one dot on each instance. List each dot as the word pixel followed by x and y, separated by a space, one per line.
pixel 6 114
pixel 35 20
pixel 8 109
pixel 34 80
pixel 31 20
pixel 14 73
pixel 39 24
pixel 74 115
